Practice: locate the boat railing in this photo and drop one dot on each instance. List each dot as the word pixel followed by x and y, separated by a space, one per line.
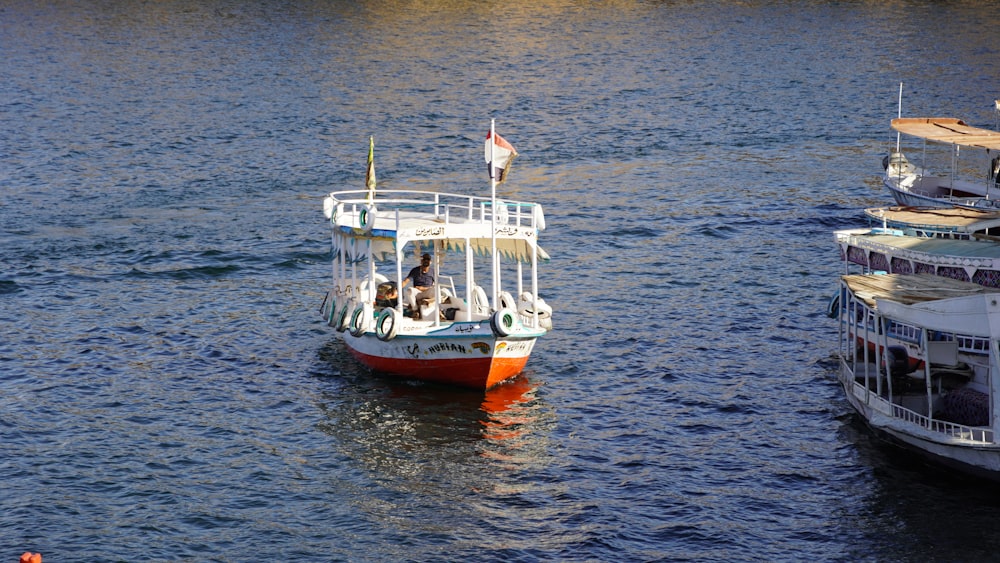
pixel 899 412
pixel 972 434
pixel 973 344
pixel 851 240
pixel 447 206
pixel 904 332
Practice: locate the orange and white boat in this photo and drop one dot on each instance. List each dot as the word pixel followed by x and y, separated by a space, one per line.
pixel 468 329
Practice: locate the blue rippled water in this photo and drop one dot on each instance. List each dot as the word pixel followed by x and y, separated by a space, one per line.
pixel 169 393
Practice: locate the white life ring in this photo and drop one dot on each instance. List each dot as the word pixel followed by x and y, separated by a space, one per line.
pixel 503 322
pixel 479 300
pixel 539 217
pixel 343 319
pixel 528 306
pixel 367 217
pixel 328 207
pixel 386 325
pixel 359 323
pixel 529 303
pixel 507 301
pixel 332 315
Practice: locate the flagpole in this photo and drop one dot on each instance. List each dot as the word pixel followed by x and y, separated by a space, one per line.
pixel 370 172
pixel 493 211
pixel 899 113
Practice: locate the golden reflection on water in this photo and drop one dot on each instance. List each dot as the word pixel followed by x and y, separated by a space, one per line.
pixel 506 407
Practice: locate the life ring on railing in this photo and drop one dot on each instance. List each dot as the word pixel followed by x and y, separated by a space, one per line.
pixel 502 322
pixel 479 300
pixel 444 294
pixel 330 318
pixel 833 308
pixel 358 321
pixel 507 301
pixel 538 217
pixel 528 305
pixel 328 206
pixel 343 319
pixel 367 217
pixel 386 325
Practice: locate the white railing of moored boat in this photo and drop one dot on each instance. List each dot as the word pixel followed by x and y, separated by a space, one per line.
pixel 472 208
pixel 983 436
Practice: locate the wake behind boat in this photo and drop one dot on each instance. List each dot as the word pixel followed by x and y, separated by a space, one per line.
pixel 465 327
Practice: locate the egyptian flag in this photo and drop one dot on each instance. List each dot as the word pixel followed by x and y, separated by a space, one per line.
pixel 503 154
pixel 370 174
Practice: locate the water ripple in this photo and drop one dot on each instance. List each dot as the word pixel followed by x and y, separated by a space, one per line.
pixel 171 395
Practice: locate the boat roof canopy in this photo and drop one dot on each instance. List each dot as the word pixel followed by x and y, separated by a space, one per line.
pixel 355 248
pixel 947 130
pixel 910 289
pixel 931 302
pixel 950 219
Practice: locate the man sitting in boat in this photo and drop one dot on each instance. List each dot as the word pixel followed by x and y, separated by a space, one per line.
pixel 423 282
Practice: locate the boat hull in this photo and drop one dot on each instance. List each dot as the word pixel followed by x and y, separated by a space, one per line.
pixel 477 361
pixel 904 197
pixel 981 460
pixel 930 191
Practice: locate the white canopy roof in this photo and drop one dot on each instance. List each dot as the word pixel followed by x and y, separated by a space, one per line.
pixel 931 302
pixel 356 248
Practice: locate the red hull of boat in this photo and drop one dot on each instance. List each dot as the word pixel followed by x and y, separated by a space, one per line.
pixel 478 373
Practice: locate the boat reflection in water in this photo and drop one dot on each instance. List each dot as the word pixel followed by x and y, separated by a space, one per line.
pixel 508 410
pixel 426 439
pixel 399 448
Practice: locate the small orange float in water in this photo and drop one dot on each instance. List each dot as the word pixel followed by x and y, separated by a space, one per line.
pixel 29 557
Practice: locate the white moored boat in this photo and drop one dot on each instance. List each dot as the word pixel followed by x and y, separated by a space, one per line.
pixel 919 363
pixel 889 250
pixel 915 186
pixel 469 329
pixel 954 242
